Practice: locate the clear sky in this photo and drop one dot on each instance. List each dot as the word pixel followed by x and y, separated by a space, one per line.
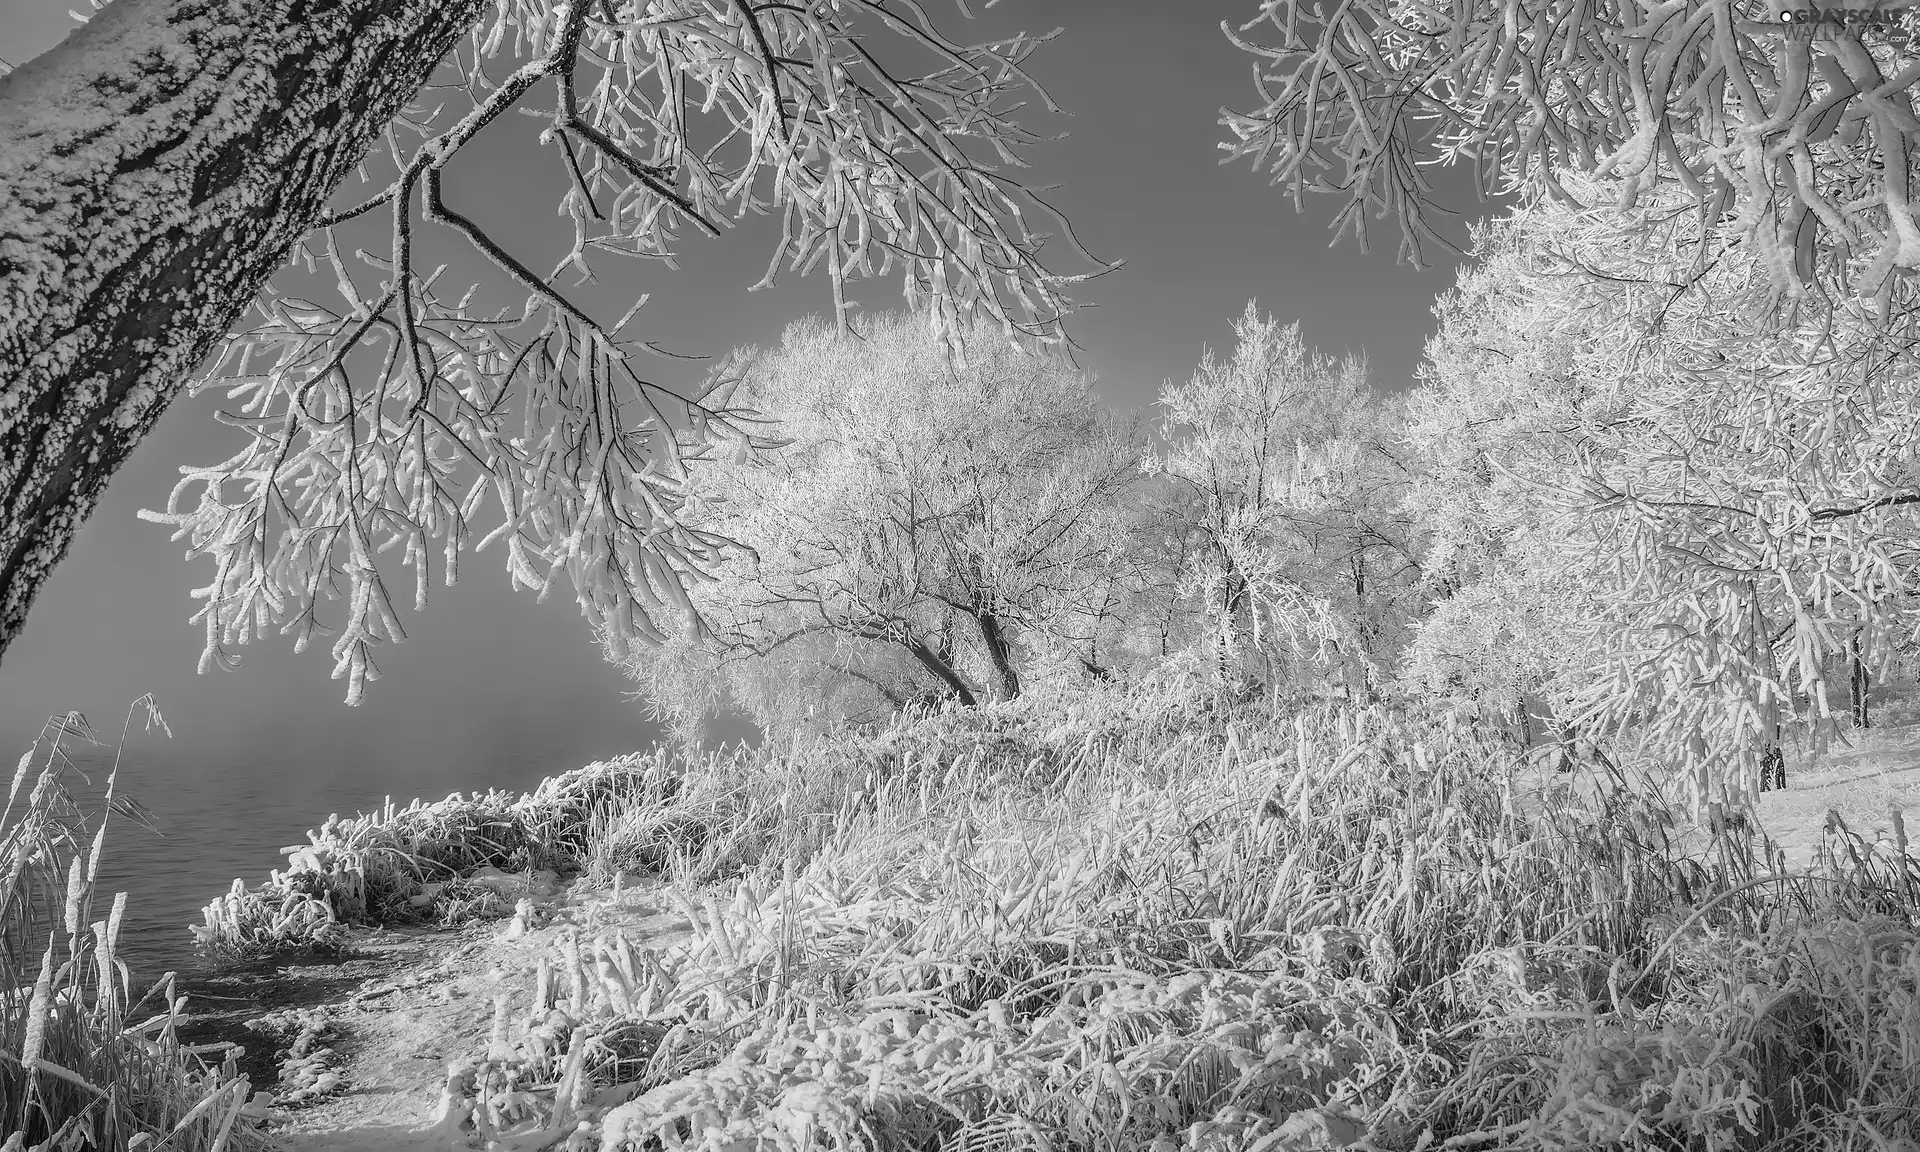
pixel 490 679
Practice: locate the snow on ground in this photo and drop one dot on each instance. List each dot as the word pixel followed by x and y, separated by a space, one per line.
pixel 433 1007
pixel 1865 784
pixel 1875 773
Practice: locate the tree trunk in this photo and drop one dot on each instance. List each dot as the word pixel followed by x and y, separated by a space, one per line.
pixel 994 636
pixel 1370 692
pixel 942 671
pixel 1857 682
pixel 155 170
pixel 1773 764
pixel 1097 671
pixel 1566 745
pixel 1236 599
pixel 1360 602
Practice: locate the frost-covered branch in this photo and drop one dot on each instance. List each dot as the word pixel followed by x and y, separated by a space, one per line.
pixel 389 415
pixel 155 169
pixel 1803 134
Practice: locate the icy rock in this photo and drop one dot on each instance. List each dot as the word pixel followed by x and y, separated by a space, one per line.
pixel 522 920
pixel 541 883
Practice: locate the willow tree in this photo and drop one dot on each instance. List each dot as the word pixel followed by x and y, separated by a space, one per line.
pixel 908 526
pixel 158 167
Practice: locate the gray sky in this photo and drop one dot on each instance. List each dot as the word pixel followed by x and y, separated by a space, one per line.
pixel 491 680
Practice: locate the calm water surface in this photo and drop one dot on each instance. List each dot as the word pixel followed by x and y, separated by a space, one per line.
pixel 222 818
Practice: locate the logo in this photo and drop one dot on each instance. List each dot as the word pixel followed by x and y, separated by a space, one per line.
pixel 1892 25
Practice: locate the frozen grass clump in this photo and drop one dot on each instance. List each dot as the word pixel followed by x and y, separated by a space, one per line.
pixel 413 863
pixel 84 1064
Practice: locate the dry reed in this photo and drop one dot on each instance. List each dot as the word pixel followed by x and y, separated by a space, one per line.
pixel 84 1064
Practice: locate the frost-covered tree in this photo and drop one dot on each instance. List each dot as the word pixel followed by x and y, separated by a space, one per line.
pixel 1147 610
pixel 1497 631
pixel 910 526
pixel 1357 542
pixel 1720 507
pixel 1804 134
pixel 1276 456
pixel 160 165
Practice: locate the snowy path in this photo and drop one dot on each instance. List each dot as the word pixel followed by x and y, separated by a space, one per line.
pixel 400 1035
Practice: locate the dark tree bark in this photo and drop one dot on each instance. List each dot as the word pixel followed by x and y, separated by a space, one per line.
pixel 1235 598
pixel 1773 769
pixel 1566 746
pixel 154 172
pixel 942 671
pixel 1857 682
pixel 1773 764
pixel 999 653
pixel 1360 598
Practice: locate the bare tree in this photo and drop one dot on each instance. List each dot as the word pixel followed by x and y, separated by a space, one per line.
pixel 158 167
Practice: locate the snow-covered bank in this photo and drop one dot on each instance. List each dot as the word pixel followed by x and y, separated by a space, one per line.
pixel 439 861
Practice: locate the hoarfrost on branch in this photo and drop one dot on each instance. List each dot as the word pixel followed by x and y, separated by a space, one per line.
pixel 387 417
pixel 1805 139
